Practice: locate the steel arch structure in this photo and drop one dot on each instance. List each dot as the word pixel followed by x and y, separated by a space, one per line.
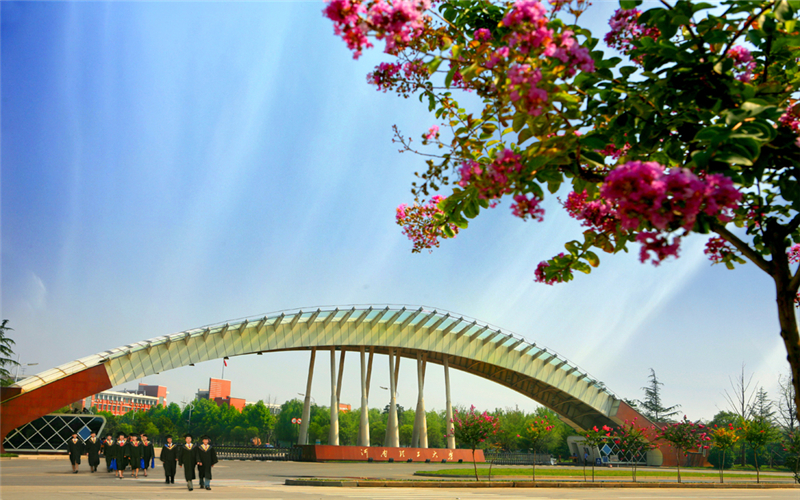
pixel 468 344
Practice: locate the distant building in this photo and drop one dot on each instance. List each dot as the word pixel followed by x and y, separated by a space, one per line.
pixel 121 402
pixel 219 391
pixel 344 407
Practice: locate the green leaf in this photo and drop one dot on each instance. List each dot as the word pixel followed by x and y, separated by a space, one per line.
pixel 629 4
pixel 594 142
pixel 592 259
pixel 471 209
pixel 580 266
pixel 519 121
pixel 434 64
pixel 524 135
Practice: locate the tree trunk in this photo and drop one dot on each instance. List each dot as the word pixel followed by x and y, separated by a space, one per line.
pixel 475 465
pixel 789 333
pixel 755 457
pixel 678 456
pixel 534 467
pixel 722 467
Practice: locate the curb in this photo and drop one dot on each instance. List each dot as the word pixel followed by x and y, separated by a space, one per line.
pixel 380 483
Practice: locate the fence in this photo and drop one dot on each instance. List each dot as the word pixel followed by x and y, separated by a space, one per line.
pixel 258 453
pixel 512 458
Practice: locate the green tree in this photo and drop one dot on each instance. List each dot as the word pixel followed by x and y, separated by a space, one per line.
pixel 537 433
pixel 689 132
pixel 634 442
pixel 757 433
pixel 285 430
pixel 595 438
pixel 652 407
pixel 6 354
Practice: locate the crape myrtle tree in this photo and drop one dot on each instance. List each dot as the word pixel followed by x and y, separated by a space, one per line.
pixel 693 130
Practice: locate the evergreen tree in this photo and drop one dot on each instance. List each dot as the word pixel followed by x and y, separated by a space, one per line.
pixel 6 354
pixel 762 406
pixel 651 406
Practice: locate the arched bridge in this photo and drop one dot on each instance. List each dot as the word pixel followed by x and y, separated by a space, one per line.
pixel 423 334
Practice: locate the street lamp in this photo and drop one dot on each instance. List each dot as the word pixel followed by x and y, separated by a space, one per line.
pixel 312 398
pixel 16 376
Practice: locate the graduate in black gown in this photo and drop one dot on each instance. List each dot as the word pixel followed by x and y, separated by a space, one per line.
pixel 134 455
pixel 118 452
pixel 148 454
pixel 186 459
pixel 206 458
pixel 93 446
pixel 169 456
pixel 75 450
pixel 107 449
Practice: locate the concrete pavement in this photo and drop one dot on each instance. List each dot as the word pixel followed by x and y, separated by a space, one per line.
pixel 46 479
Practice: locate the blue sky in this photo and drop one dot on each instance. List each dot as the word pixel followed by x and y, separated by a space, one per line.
pixel 166 165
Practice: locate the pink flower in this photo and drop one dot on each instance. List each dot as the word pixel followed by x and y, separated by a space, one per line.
pixel 626 31
pixel 433 133
pixel 524 207
pixel 794 253
pixel 718 249
pixel 347 23
pixel 482 34
pixel 539 274
pixel 743 63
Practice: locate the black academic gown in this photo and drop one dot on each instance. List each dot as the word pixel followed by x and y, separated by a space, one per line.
pixel 134 454
pixel 75 450
pixel 93 451
pixel 107 449
pixel 205 458
pixel 148 453
pixel 186 459
pixel 169 456
pixel 118 453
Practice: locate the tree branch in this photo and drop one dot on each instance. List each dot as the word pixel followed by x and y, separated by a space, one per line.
pixel 743 247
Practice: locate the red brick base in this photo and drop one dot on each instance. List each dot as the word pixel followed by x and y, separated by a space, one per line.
pixel 325 453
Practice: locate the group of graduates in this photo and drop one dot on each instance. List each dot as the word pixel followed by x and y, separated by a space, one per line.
pixel 140 455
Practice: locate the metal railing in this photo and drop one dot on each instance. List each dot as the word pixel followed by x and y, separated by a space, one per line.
pixel 258 453
pixel 516 458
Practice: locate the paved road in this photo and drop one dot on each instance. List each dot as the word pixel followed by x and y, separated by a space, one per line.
pixel 46 479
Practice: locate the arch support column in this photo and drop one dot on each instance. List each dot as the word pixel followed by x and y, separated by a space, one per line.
pixel 419 438
pixel 333 434
pixel 366 373
pixel 451 439
pixel 392 429
pixel 306 416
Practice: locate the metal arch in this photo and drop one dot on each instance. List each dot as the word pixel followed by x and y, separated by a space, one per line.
pixel 533 375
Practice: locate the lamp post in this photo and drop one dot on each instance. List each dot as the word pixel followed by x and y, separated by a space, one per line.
pixel 16 375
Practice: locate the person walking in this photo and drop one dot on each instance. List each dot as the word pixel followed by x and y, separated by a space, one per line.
pixel 169 456
pixel 107 449
pixel 119 451
pixel 148 454
pixel 186 459
pixel 93 446
pixel 206 458
pixel 134 455
pixel 75 450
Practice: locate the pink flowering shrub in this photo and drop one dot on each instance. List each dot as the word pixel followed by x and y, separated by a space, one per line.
pixel 743 63
pixel 598 215
pixel 647 196
pixel 472 428
pixel 418 224
pixel 684 436
pixel 495 179
pixel 525 206
pixel 540 275
pixel 626 30
pixel 395 22
pixel 432 133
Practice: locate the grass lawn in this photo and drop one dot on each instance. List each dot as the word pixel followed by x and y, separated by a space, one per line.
pixel 578 472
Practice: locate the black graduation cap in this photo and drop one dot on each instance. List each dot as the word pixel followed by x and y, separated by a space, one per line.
pixel 205 437
pixel 168 436
pixel 187 435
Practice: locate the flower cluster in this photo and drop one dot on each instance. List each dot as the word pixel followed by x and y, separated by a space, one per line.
pixel 432 133
pixel 718 250
pixel 794 253
pixel 743 63
pixel 472 428
pixel 384 76
pixel 598 214
pixel 614 152
pixel 666 200
pixel 540 273
pixel 496 179
pixel 347 23
pixel 626 30
pixel 419 225
pixel 659 244
pixel 397 22
pixel 523 79
pixel 685 435
pixel 791 118
pixel 524 207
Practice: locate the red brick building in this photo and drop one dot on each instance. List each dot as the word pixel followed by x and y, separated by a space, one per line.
pixel 121 402
pixel 219 391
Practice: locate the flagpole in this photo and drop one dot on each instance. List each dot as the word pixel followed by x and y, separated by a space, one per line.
pixel 223 370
